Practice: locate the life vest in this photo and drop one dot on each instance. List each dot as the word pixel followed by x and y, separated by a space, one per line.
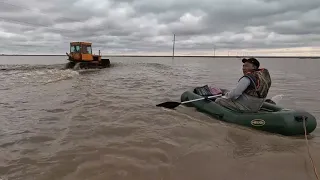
pixel 260 82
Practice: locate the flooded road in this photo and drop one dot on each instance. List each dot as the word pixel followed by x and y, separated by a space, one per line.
pixel 103 124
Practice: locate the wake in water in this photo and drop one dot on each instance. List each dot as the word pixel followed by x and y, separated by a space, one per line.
pixel 13 76
pixel 25 67
pixel 57 75
pixel 46 76
pixel 18 76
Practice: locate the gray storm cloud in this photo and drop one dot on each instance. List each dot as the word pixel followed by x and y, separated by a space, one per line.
pixel 116 26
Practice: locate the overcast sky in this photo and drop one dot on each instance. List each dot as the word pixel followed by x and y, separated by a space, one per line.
pixel 240 27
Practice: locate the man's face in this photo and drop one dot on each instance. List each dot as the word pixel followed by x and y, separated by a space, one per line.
pixel 247 67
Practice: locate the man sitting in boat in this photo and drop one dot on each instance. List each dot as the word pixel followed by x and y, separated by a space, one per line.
pixel 251 90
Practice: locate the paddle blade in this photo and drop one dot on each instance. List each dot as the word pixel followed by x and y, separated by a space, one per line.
pixel 169 105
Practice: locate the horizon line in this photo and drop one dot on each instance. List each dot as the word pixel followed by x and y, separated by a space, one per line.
pixel 204 56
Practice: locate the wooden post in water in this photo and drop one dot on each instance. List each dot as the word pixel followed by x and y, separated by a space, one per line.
pixel 174 41
pixel 214 51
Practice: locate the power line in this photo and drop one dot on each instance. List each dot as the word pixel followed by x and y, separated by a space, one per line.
pixel 14 5
pixel 69 19
pixel 33 24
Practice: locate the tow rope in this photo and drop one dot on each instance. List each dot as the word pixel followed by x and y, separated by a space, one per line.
pixel 305 135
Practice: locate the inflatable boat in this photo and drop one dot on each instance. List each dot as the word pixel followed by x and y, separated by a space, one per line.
pixel 271 117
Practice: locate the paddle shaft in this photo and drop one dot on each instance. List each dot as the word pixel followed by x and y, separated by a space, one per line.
pixel 184 102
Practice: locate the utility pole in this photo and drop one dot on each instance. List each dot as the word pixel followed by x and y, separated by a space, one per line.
pixel 214 51
pixel 174 41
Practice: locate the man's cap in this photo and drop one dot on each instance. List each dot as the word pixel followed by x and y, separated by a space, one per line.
pixel 253 61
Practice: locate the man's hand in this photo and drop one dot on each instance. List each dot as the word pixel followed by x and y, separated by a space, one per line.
pixel 224 91
pixel 224 97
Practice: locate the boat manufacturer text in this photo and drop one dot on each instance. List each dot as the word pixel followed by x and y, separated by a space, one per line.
pixel 258 122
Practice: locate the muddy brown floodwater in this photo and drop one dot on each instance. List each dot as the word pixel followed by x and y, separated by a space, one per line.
pixel 103 124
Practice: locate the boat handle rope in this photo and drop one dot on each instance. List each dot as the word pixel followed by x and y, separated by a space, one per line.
pixel 305 135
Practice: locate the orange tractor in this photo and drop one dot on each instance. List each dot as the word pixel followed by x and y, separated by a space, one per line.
pixel 81 57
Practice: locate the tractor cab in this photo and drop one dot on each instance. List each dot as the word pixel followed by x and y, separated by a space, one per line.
pixel 80 47
pixel 81 51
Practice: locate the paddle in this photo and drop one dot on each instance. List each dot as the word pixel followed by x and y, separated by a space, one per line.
pixel 172 104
